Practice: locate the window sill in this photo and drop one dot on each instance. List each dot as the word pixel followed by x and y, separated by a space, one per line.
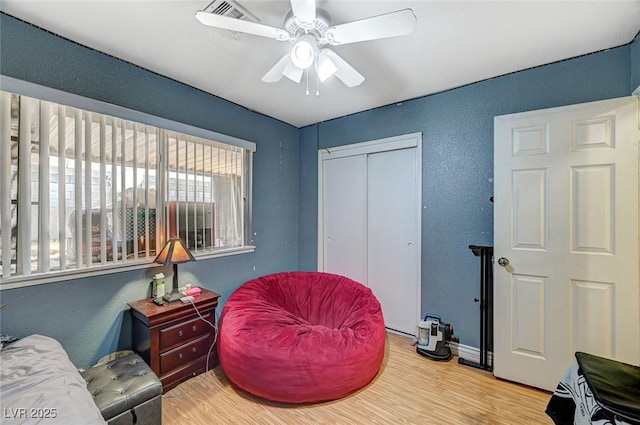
pixel 99 270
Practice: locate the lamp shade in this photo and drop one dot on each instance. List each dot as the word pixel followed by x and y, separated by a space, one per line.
pixel 325 66
pixel 174 252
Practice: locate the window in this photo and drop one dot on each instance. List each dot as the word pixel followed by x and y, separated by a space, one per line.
pixel 87 191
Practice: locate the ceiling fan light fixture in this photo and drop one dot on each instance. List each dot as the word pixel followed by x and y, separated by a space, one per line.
pixel 326 67
pixel 303 52
pixel 309 28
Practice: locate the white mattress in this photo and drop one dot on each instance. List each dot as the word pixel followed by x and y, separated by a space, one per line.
pixel 39 384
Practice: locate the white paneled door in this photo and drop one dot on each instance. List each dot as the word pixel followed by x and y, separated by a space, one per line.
pixel 566 239
pixel 369 222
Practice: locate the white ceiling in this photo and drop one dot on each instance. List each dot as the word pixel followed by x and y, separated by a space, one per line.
pixel 454 43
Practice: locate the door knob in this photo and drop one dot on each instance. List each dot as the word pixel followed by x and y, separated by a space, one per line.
pixel 504 262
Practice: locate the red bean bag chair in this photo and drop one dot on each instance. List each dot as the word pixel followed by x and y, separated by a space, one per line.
pixel 301 337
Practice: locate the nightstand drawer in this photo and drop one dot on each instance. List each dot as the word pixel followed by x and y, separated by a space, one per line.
pixel 183 332
pixel 185 354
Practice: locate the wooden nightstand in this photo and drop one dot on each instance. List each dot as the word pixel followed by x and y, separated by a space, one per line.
pixel 172 338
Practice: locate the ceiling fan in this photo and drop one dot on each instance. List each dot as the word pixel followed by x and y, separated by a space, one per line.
pixel 309 29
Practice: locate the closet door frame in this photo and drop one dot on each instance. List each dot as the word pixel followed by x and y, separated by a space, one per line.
pixel 406 141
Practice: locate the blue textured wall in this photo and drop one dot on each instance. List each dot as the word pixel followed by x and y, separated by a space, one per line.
pixel 89 316
pixel 308 198
pixel 635 63
pixel 457 128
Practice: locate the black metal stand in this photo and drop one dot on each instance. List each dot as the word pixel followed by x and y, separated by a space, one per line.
pixel 486 307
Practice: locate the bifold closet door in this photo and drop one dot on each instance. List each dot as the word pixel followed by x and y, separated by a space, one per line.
pixel 392 229
pixel 370 227
pixel 344 214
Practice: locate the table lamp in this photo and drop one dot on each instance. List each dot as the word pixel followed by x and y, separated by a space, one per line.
pixel 174 252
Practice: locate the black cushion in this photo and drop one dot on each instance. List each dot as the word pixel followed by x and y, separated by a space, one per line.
pixel 121 384
pixel 615 385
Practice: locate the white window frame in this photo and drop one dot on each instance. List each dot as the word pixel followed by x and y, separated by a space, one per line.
pixel 48 94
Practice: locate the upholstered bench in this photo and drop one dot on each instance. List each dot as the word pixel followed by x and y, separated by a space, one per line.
pixel 126 391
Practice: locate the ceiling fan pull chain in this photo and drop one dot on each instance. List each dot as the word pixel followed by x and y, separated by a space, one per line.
pixel 307 72
pixel 317 85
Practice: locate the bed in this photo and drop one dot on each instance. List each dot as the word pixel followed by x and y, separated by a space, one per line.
pixel 39 384
pixel 597 391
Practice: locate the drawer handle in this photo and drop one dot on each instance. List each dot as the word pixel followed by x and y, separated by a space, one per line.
pixel 180 333
pixel 194 349
pixel 180 356
pixel 194 328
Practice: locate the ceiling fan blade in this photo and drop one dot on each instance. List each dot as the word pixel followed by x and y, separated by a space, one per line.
pixel 388 25
pixel 304 10
pixel 345 72
pixel 240 25
pixel 292 72
pixel 275 74
pixel 283 67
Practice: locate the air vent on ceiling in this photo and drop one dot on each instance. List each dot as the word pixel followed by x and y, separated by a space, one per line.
pixel 231 9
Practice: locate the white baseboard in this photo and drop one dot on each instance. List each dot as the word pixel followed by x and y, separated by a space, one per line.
pixel 404 334
pixel 636 92
pixel 469 353
pixel 466 352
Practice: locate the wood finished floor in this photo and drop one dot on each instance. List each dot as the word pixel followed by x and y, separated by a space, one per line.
pixel 409 389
